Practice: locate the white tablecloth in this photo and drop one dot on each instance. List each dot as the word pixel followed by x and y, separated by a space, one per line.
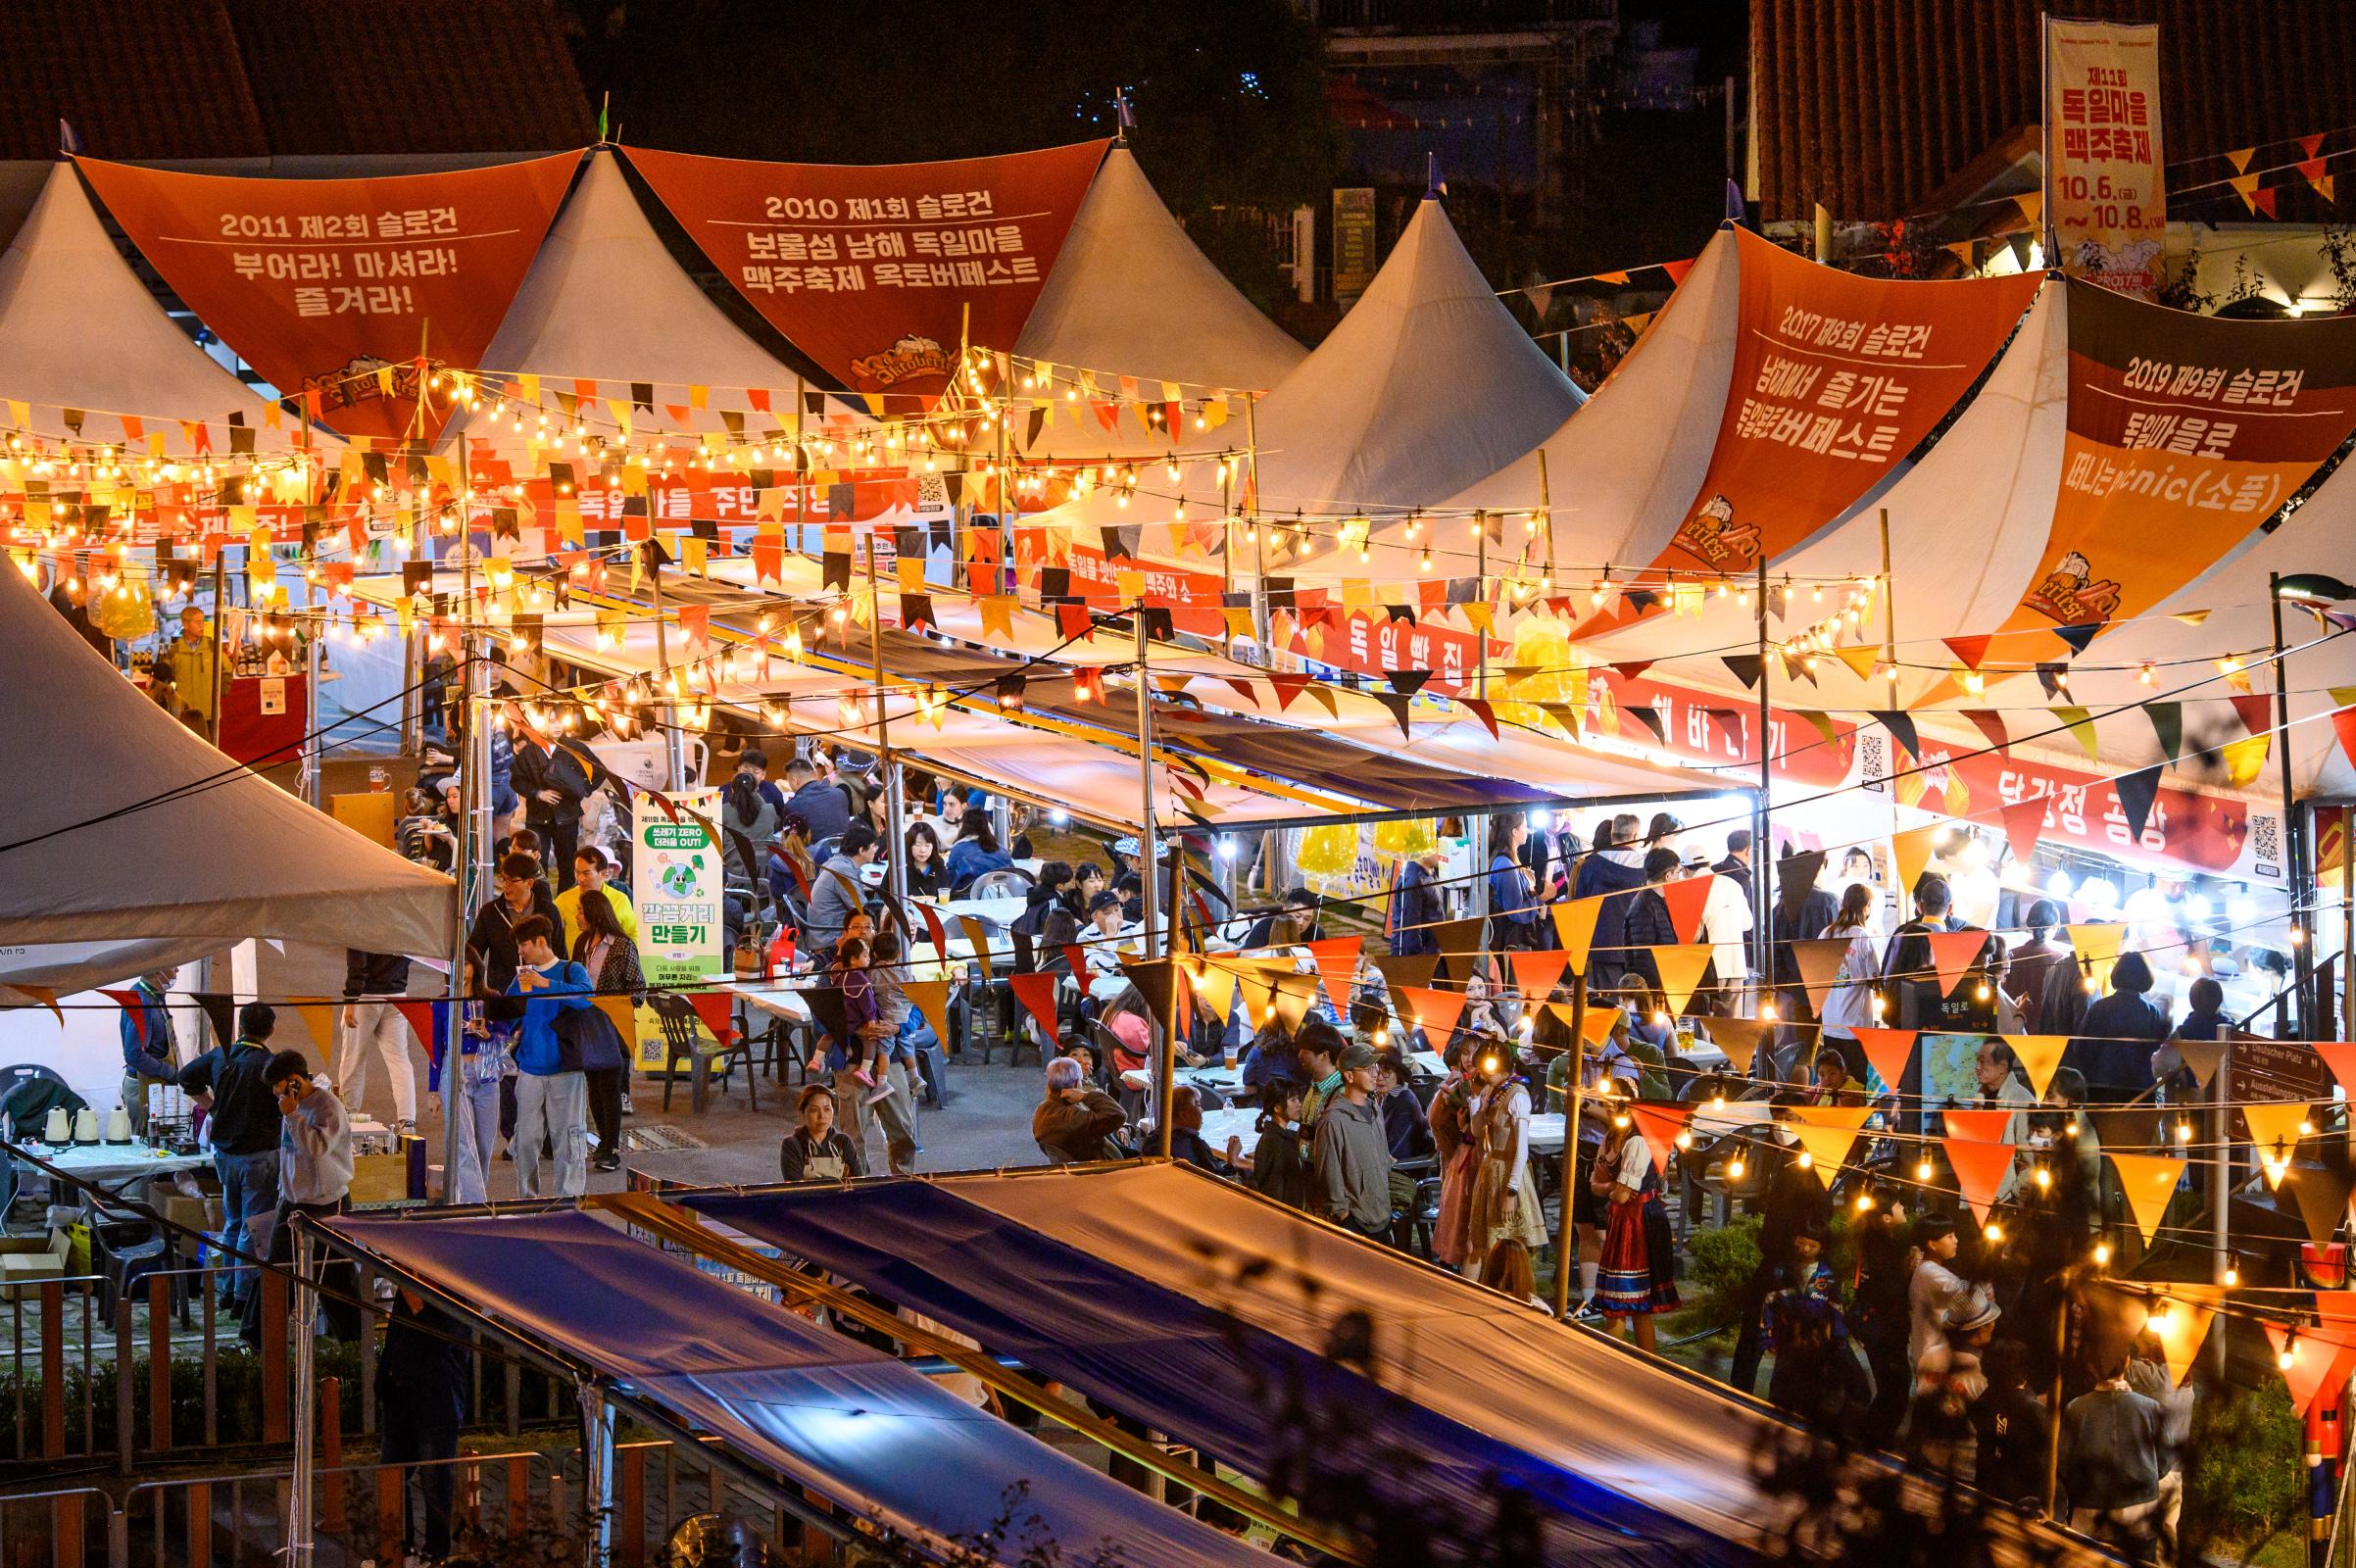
pixel 108 1164
pixel 776 998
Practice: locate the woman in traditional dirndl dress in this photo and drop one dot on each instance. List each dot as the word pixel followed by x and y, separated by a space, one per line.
pixel 1632 1284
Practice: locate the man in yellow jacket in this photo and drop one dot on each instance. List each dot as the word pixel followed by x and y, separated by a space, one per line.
pixel 192 659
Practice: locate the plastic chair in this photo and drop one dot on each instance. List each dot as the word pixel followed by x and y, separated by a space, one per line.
pixel 684 1040
pixel 1001 884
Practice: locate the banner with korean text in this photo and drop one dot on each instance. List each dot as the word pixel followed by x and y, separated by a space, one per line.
pixel 344 288
pixel 675 881
pixel 873 269
pixel 2105 203
pixel 1837 379
pixel 2185 432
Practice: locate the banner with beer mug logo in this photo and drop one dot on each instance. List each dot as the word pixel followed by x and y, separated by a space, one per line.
pixel 675 882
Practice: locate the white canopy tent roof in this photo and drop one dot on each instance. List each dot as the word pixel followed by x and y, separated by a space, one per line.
pixel 79 331
pixel 129 833
pixel 1130 294
pixel 1623 472
pixel 605 301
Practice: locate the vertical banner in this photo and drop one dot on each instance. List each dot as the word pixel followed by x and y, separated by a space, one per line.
pixel 1353 243
pixel 2105 203
pixel 345 288
pixel 675 882
pixel 2185 432
pixel 874 270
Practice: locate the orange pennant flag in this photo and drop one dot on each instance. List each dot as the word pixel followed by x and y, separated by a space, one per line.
pixel 1912 852
pixel 1976 1124
pixel 1952 954
pixel 2274 1132
pixel 1037 994
pixel 2181 1318
pixel 714 1008
pixel 1536 971
pixel 1660 1123
pixel 1888 1051
pixel 1598 1024
pixel 1433 1012
pixel 1338 966
pixel 1680 969
pixel 1740 1039
pixel 1575 926
pixel 1979 1171
pixel 625 1016
pixel 2310 1362
pixel 2023 825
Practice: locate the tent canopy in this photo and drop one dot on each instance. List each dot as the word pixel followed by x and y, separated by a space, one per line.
pixel 874 1436
pixel 126 828
pixel 1179 1364
pixel 1131 294
pixel 605 301
pixel 79 331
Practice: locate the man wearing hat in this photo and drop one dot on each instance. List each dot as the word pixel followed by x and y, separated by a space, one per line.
pixel 593 870
pixel 1353 1164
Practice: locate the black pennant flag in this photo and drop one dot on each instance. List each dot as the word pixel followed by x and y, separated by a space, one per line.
pixel 2136 793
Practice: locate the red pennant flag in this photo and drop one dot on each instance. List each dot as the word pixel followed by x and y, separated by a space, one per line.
pixel 1435 1012
pixel 2024 824
pixel 1952 954
pixel 2340 1057
pixel 1677 270
pixel 1991 724
pixel 1338 966
pixel 1073 620
pixel 420 1013
pixel 1537 973
pixel 933 928
pixel 1660 1123
pixel 1486 712
pixel 2263 199
pixel 2343 726
pixel 1888 1051
pixel 1685 899
pixel 1968 650
pixel 713 1007
pixel 128 1002
pixel 1288 687
pixel 2257 712
pixel 1037 994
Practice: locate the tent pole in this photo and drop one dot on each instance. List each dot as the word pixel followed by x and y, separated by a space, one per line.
pixel 1481 578
pixel 1566 1229
pixel 1889 615
pixel 1148 863
pixel 1259 577
pixel 468 871
pixel 314 750
pixel 1762 852
pixel 674 750
pixel 304 1309
pixel 886 772
pixel 596 1470
pixel 221 635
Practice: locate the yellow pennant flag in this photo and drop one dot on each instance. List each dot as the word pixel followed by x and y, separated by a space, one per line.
pixel 1575 926
pixel 319 1017
pixel 2081 724
pixel 2245 758
pixel 998 615
pixel 1826 1135
pixel 2149 1183
pixel 1680 968
pixel 1215 413
pixel 2274 1132
pixel 931 998
pixel 2039 1055
pixel 2097 948
pixel 1860 661
pixel 625 1016
pixel 1912 852
pixel 1214 983
pixel 2180 1320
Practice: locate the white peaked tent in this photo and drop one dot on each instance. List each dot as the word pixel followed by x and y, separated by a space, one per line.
pixel 1623 473
pixel 1131 295
pixel 1428 383
pixel 79 331
pixel 605 301
pixel 130 842
pixel 1968 525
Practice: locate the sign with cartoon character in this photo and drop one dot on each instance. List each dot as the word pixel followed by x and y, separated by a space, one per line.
pixel 343 290
pixel 1835 380
pixel 875 269
pixel 2185 433
pixel 2106 205
pixel 675 882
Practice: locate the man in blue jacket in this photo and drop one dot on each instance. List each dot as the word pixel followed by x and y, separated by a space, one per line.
pixel 552 1099
pixel 149 1056
pixel 1513 894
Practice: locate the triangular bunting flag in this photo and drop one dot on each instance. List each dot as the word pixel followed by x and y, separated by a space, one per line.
pixel 1818 961
pixel 716 1009
pixel 1435 1012
pixel 2097 947
pixel 1991 725
pixel 2167 723
pixel 1410 969
pixel 1536 971
pixel 1900 726
pixel 2149 1183
pixel 2081 724
pixel 1977 1124
pixel 1681 970
pixel 1575 928
pixel 1979 1171
pixel 2203 1056
pixel 1740 1039
pixel 2024 824
pixel 1660 1123
pixel 2322 1197
pixel 1037 994
pixel 1337 961
pixel 1952 954
pixel 1888 1052
pixel 931 998
pixel 2182 1320
pixel 1686 897
pixel 2039 1055
pixel 2138 791
pixel 1826 1135
pixel 1912 850
pixel 2274 1134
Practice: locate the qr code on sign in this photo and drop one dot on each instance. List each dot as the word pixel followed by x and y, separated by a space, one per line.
pixel 1873 763
pixel 2265 842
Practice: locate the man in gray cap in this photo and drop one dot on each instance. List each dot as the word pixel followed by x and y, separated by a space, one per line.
pixel 1352 1183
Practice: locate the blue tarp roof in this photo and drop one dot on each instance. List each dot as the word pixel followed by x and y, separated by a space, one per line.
pixel 877 1438
pixel 1262 1403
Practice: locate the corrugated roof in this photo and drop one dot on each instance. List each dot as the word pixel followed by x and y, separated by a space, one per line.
pixel 159 79
pixel 1870 106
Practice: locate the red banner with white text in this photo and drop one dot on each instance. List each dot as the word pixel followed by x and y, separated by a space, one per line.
pixel 342 290
pixel 875 270
pixel 2106 203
